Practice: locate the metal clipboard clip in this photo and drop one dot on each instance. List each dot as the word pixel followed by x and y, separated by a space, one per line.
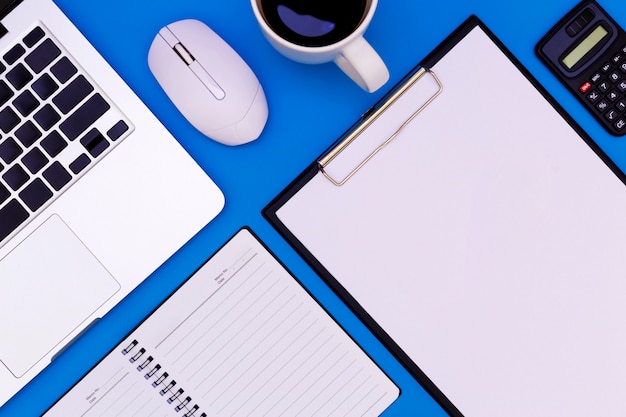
pixel 324 161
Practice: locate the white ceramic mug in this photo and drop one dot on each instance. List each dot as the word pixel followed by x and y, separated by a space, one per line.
pixel 349 50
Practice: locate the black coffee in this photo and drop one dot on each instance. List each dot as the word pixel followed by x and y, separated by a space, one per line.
pixel 313 22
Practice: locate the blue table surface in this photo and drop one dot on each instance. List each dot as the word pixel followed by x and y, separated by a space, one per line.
pixel 310 107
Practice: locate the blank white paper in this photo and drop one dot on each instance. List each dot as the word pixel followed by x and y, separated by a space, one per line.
pixel 488 240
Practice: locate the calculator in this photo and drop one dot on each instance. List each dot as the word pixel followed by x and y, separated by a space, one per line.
pixel 586 50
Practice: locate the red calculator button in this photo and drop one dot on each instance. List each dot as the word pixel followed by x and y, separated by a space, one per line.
pixel 585 87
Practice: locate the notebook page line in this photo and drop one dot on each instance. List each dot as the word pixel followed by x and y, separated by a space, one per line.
pixel 259 375
pixel 243 261
pixel 312 399
pixel 201 321
pixel 241 346
pixel 217 323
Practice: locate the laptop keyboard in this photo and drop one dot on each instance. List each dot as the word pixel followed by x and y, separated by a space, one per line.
pixel 54 125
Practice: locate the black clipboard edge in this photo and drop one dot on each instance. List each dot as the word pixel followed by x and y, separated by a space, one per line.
pixel 269 212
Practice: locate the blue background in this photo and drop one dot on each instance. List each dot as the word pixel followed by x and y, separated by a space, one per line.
pixel 310 107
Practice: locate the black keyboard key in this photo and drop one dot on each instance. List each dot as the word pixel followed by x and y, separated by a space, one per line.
pixel 33 37
pixel 19 76
pixel 5 92
pixel 80 163
pixel 15 177
pixel 117 130
pixel 4 193
pixel 35 194
pixel 8 119
pixel 84 116
pixel 11 217
pixel 47 117
pixel 56 175
pixel 26 103
pixel 45 86
pixel 63 70
pixel 28 134
pixel 14 54
pixel 74 93
pixel 2 67
pixel 35 160
pixel 42 56
pixel 53 144
pixel 10 150
pixel 94 142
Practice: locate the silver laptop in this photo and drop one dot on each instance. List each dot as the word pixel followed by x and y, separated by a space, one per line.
pixel 95 194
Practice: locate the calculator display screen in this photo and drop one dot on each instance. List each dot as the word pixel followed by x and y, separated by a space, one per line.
pixel 585 46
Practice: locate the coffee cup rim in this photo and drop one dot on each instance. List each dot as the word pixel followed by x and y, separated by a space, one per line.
pixel 319 49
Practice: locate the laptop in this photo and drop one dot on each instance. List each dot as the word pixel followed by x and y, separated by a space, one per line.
pixel 95 194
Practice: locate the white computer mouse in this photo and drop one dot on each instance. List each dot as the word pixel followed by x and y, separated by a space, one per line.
pixel 209 83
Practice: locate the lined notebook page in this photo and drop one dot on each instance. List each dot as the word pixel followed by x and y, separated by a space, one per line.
pixel 239 338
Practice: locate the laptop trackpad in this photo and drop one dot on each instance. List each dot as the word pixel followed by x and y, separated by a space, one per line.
pixel 50 285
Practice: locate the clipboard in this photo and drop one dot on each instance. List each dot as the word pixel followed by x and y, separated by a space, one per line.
pixel 479 233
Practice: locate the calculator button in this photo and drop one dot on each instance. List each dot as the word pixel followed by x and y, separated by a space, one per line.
pixel 606 67
pixel 603 86
pixel 617 58
pixel 602 106
pixel 620 124
pixel 622 67
pixel 621 106
pixel 585 87
pixel 614 76
pixel 612 96
pixel 622 86
pixel 596 77
pixel 611 115
pixel 593 96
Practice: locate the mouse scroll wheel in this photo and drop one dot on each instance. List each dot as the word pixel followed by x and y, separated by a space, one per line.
pixel 183 53
pixel 195 67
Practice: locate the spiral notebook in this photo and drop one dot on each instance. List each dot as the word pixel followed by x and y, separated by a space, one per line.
pixel 240 337
pixel 479 233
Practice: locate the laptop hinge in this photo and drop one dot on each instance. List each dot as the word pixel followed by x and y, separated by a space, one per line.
pixel 6 6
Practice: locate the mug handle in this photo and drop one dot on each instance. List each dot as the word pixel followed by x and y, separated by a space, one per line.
pixel 363 65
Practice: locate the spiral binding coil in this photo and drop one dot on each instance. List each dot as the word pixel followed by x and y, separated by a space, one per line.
pixel 161 379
